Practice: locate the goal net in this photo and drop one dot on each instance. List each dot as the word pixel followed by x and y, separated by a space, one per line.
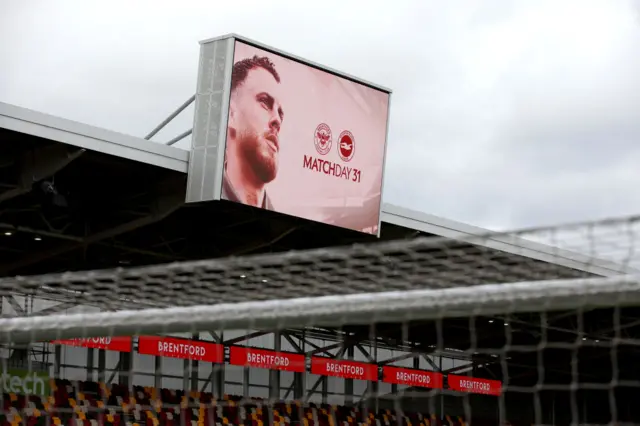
pixel 530 327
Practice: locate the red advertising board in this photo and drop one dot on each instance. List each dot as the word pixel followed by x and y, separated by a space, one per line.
pixel 118 344
pixel 474 385
pixel 411 377
pixel 344 369
pixel 261 358
pixel 181 348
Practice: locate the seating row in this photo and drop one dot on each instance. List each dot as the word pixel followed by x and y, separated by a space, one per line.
pixel 96 404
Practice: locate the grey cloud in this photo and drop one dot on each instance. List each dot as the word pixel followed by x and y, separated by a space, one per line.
pixel 538 146
pixel 503 115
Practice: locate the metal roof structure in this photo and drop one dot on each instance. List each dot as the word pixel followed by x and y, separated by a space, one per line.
pixel 75 197
pixel 54 137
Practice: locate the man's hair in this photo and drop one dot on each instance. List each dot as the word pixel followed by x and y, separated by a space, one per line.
pixel 241 69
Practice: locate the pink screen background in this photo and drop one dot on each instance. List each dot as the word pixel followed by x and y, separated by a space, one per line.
pixel 311 97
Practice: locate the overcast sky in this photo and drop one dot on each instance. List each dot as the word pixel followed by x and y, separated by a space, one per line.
pixel 504 113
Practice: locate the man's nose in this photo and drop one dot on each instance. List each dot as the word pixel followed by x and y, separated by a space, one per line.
pixel 275 122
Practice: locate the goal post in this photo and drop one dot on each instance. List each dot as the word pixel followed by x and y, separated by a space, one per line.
pixel 430 329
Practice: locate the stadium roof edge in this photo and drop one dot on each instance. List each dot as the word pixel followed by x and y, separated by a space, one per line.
pixel 505 242
pixel 82 135
pixel 105 141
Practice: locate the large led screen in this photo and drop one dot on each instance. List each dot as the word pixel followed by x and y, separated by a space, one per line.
pixel 303 141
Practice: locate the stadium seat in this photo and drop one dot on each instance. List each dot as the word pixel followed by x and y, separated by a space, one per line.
pixel 85 403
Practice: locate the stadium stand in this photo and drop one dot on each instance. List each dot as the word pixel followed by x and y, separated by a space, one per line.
pixel 82 403
pixel 554 320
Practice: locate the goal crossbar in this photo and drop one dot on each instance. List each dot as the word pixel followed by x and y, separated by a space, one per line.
pixel 356 309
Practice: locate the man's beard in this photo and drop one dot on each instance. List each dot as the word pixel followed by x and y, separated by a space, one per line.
pixel 259 157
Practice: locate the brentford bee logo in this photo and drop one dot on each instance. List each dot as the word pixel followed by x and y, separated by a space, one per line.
pixel 322 139
pixel 346 145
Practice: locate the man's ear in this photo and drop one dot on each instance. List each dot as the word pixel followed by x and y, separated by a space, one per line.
pixel 231 125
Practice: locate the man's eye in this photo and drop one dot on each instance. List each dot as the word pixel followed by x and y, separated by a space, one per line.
pixel 265 102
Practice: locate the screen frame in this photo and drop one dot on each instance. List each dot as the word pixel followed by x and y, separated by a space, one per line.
pixel 295 58
pixel 233 39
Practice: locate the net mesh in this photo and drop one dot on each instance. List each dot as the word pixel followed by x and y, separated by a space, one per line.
pixel 552 319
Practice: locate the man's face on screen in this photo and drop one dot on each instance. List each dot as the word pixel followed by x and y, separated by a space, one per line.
pixel 254 122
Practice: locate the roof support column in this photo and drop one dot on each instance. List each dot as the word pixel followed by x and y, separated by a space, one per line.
pixel 274 375
pixel 195 366
pixel 348 383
